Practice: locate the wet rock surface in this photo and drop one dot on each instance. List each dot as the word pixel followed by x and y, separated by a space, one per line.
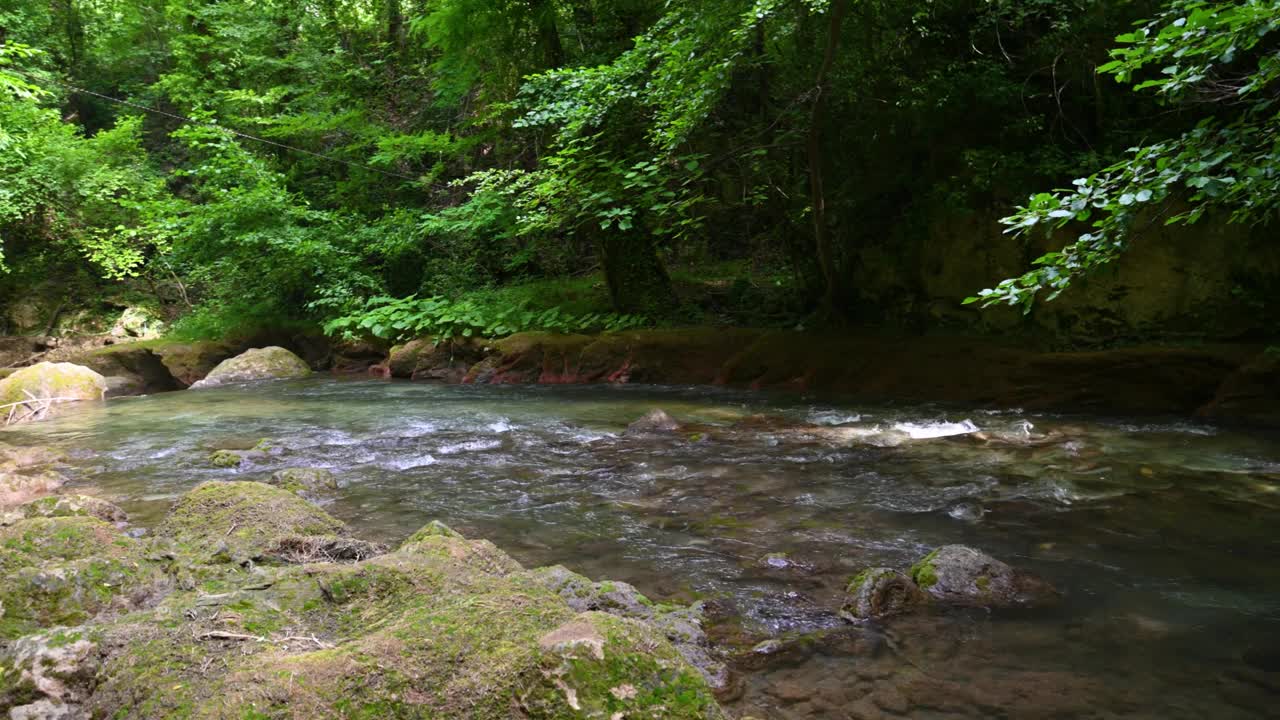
pixel 654 421
pixel 881 593
pixel 960 575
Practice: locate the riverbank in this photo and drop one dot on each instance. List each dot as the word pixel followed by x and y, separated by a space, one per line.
pixel 1221 382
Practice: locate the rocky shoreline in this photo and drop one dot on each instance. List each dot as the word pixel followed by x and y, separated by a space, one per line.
pixel 1233 383
pixel 248 600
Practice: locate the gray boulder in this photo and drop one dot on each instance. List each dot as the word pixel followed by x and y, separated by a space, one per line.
pixel 269 363
pixel 961 575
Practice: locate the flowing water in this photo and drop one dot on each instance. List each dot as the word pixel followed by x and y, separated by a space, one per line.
pixel 1161 535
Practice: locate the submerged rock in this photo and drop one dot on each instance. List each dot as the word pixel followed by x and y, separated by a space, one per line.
pixel 30 393
pixel 269 363
pixel 243 520
pixel 654 421
pixel 961 575
pixel 305 480
pixel 882 592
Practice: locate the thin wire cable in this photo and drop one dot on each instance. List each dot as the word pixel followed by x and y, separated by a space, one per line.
pixel 216 126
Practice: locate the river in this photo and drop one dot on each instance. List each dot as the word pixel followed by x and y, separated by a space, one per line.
pixel 1161 534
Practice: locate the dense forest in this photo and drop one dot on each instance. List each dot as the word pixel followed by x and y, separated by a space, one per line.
pixel 396 167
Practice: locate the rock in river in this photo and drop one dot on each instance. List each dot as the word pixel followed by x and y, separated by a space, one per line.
pixel 269 363
pixel 882 592
pixel 305 480
pixel 654 421
pixel 243 520
pixel 31 392
pixel 961 575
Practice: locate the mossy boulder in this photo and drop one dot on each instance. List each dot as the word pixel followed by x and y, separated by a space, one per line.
pixel 681 625
pixel 31 392
pixel 881 592
pixel 242 520
pixel 187 362
pixel 65 570
pixel 961 575
pixel 443 627
pixel 269 363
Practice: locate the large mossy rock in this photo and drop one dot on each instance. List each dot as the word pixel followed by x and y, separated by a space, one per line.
pixel 444 627
pixel 65 570
pixel 30 392
pixel 269 363
pixel 961 575
pixel 243 521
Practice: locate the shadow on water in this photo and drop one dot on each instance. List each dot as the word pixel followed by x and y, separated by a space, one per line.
pixel 1161 534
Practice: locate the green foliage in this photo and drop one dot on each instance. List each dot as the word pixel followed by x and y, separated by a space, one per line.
pixel 14 85
pixel 65 193
pixel 1216 52
pixel 397 320
pixel 458 148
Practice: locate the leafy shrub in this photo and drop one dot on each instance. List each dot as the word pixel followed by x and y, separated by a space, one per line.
pixel 401 319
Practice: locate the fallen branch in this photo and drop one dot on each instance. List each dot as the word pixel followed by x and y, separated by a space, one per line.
pixel 224 635
pixel 302 638
pixel 34 399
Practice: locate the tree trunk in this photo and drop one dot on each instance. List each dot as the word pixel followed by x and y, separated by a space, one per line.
pixel 638 282
pixel 817 189
pixel 395 24
pixel 544 14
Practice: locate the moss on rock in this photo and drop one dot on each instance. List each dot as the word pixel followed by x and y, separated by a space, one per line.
pixel 305 480
pixel 923 572
pixel 65 570
pixel 443 627
pixel 27 393
pixel 73 506
pixel 242 519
